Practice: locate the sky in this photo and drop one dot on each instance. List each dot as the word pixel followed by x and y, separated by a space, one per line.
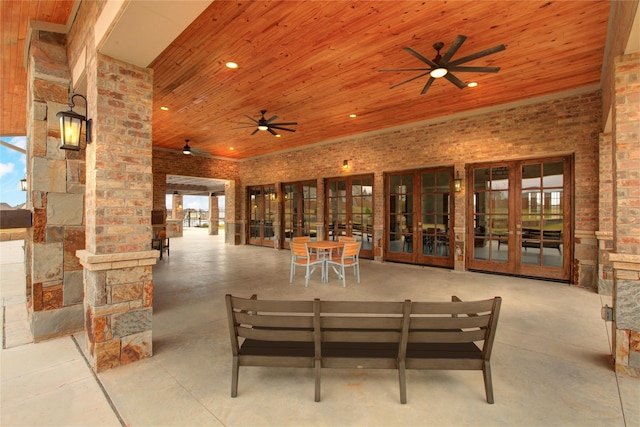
pixel 13 168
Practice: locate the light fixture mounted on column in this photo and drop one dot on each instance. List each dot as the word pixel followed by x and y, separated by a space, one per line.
pixel 71 126
pixel 457 183
pixel 23 184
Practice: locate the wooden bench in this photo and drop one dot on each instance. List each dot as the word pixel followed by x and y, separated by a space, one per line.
pixel 356 334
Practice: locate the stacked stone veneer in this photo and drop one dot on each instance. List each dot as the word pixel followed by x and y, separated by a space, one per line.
pixel 625 257
pixel 56 181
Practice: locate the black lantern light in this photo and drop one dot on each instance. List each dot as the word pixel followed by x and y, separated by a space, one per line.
pixel 457 183
pixel 71 126
pixel 23 184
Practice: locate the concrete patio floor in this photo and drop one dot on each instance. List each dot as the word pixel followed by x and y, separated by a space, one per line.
pixel 551 359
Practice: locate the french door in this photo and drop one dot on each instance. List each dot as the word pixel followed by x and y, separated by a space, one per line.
pixel 419 213
pixel 520 218
pixel 263 208
pixel 300 210
pixel 350 210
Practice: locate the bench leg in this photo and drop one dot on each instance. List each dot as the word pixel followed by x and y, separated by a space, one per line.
pixel 488 386
pixel 403 382
pixel 318 366
pixel 234 377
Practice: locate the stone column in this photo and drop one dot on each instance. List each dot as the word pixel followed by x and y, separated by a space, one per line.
pixel 214 213
pixel 625 257
pixel 174 226
pixel 459 220
pixel 119 196
pixel 56 183
pixel 604 235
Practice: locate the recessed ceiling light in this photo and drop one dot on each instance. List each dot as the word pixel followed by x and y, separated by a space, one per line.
pixel 353 116
pixel 472 84
pixel 164 108
pixel 277 135
pixel 232 65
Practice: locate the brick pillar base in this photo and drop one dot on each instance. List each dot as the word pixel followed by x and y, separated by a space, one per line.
pixel 118 307
pixel 214 213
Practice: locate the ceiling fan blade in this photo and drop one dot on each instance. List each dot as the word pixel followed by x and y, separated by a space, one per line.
pixel 411 79
pixel 477 55
pixel 420 57
pixel 456 81
pixel 283 124
pixel 406 69
pixel 281 128
pixel 427 86
pixel 272 132
pixel 251 118
pixel 254 132
pixel 454 47
pixel 475 69
pixel 272 119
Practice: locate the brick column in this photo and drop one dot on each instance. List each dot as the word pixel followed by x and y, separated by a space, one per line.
pixel 604 235
pixel 214 213
pixel 56 189
pixel 234 227
pixel 118 201
pixel 174 225
pixel 625 257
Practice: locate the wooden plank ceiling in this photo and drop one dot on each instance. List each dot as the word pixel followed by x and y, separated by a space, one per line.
pixel 317 62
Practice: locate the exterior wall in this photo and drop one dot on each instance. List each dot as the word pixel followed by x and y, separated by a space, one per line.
pixel 626 228
pixel 55 197
pixel 605 217
pixel 563 126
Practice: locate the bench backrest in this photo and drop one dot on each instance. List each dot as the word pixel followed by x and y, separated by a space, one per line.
pixel 455 322
pixel 364 321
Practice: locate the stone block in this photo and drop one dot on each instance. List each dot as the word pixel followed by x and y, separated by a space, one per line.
pixel 55 323
pixel 107 355
pixel 52 296
pixel 47 262
pixel 65 209
pixel 101 327
pixel 131 322
pixel 627 305
pixel 136 347
pixel 49 175
pixel 128 292
pixel 128 275
pixel 73 241
pixel 73 288
pixel 96 288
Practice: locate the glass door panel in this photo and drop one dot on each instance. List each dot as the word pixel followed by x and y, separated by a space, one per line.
pixel 419 211
pixel 519 224
pixel 262 215
pixel 350 210
pixel 299 210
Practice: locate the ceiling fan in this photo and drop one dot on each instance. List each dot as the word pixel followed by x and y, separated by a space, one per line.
pixel 188 150
pixel 443 66
pixel 268 125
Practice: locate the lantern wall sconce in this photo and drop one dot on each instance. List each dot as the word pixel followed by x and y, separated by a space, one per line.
pixel 23 184
pixel 457 183
pixel 71 126
pixel 345 164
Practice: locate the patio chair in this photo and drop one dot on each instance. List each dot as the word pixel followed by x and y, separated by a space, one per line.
pixel 301 256
pixel 161 243
pixel 350 257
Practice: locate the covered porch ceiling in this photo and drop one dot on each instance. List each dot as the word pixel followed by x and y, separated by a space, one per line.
pixel 318 62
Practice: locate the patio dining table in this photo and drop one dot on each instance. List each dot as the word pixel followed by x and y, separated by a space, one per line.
pixel 324 249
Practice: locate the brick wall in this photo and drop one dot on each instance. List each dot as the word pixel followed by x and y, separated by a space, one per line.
pixel 568 125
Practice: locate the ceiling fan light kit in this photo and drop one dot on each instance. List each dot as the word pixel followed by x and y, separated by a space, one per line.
pixel 443 66
pixel 186 149
pixel 270 125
